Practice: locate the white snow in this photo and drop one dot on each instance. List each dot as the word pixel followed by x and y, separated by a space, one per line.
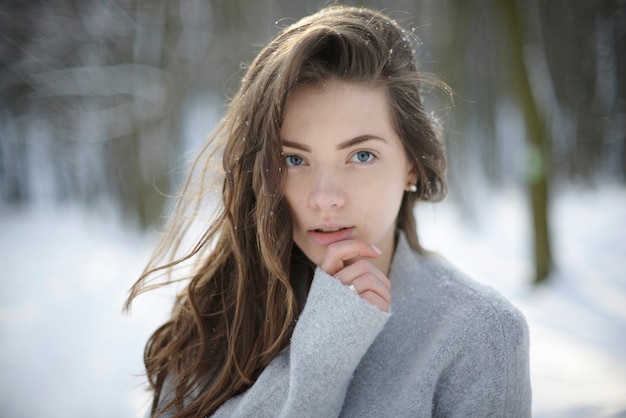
pixel 67 351
pixel 577 320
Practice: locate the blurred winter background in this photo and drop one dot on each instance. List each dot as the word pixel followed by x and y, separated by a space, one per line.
pixel 102 102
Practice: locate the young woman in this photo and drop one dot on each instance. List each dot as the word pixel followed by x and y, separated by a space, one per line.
pixel 310 293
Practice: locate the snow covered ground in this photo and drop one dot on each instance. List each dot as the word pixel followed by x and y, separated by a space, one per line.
pixel 67 351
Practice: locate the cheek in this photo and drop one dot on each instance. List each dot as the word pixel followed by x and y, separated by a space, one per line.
pixel 387 186
pixel 380 197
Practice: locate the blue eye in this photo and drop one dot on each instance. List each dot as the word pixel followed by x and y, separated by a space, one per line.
pixel 293 160
pixel 363 156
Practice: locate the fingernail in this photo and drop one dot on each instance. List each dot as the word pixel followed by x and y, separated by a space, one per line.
pixel 378 250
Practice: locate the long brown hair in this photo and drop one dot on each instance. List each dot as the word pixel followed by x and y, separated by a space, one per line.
pixel 238 309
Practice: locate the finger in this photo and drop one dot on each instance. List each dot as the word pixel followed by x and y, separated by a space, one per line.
pixel 364 276
pixel 376 300
pixel 368 283
pixel 361 268
pixel 338 253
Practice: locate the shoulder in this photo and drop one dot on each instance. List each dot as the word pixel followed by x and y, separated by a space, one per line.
pixel 471 337
pixel 468 298
pixel 429 287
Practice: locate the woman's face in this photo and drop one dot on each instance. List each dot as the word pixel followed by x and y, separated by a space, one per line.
pixel 347 168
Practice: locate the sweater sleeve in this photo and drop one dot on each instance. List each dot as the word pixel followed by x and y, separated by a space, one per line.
pixel 311 376
pixel 489 373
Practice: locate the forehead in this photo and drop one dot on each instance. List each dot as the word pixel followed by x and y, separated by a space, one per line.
pixel 338 89
pixel 337 106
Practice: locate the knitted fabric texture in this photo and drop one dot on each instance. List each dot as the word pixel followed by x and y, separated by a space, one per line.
pixel 451 347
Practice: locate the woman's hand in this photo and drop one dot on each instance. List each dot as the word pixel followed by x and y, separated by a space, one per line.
pixel 348 261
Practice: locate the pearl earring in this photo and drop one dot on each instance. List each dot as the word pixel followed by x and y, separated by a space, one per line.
pixel 413 188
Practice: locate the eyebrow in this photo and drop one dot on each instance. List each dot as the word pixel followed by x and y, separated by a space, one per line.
pixel 346 144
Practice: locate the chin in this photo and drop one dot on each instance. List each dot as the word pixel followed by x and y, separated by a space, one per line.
pixel 315 257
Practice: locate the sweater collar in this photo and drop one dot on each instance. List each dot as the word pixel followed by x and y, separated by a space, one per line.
pixel 404 259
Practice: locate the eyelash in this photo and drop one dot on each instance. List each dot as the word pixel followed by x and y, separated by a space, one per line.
pixel 289 157
pixel 354 158
pixel 370 155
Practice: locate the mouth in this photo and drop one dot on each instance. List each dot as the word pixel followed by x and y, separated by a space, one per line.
pixel 327 235
pixel 330 230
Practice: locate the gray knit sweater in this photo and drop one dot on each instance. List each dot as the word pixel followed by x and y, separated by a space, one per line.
pixel 450 347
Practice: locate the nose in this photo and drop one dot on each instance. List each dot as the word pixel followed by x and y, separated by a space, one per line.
pixel 326 191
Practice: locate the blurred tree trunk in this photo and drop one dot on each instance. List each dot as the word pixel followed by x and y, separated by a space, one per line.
pixel 92 99
pixel 470 63
pixel 538 146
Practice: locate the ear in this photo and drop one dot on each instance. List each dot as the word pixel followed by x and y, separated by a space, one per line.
pixel 411 177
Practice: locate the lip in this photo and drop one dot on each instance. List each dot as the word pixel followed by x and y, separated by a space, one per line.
pixel 327 238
